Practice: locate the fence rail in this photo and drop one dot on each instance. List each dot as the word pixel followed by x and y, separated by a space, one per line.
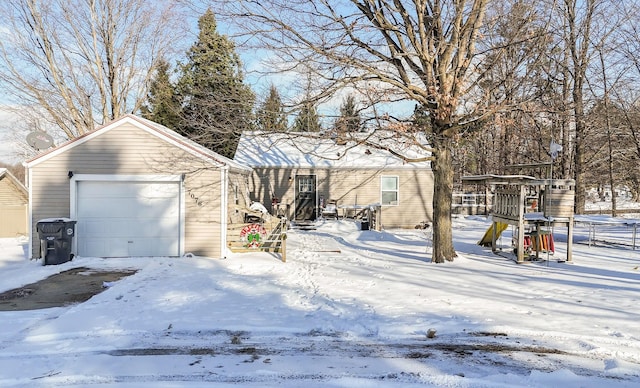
pixel 471 203
pixel 274 241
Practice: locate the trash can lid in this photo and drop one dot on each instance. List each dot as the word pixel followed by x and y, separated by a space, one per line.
pixel 61 219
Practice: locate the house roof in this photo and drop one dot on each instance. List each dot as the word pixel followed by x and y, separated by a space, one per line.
pixel 6 174
pixel 307 150
pixel 152 128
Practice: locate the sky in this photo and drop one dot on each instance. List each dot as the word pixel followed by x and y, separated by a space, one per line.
pixel 349 308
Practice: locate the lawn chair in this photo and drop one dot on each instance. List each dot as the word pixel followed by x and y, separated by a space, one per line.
pixel 330 210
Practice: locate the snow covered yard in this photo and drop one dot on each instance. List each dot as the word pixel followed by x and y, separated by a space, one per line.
pixel 349 308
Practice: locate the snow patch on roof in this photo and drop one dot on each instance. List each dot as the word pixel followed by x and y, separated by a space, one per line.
pixel 305 150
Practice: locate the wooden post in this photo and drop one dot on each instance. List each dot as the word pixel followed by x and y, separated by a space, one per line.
pixel 487 193
pixel 570 240
pixel 520 257
pixel 283 247
pixel 494 236
pixel 521 205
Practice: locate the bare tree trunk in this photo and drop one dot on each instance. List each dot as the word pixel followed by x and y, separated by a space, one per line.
pixel 607 121
pixel 443 249
pixel 578 150
pixel 565 118
pixel 579 26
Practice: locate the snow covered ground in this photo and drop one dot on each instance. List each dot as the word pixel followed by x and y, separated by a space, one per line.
pixel 349 308
pixel 605 206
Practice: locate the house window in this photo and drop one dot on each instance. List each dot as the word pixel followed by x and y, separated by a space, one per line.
pixel 389 190
pixel 305 184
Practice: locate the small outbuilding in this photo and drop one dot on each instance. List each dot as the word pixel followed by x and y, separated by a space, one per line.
pixel 303 176
pixel 13 205
pixel 137 188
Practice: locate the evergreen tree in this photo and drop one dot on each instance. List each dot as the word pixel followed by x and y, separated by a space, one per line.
pixel 163 104
pixel 217 103
pixel 307 120
pixel 271 116
pixel 349 120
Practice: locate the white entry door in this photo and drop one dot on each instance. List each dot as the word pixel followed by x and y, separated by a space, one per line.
pixel 122 219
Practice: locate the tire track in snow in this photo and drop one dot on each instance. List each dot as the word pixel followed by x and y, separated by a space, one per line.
pixel 274 357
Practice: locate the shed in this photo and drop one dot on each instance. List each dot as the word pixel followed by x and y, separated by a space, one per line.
pixel 13 205
pixel 136 188
pixel 296 174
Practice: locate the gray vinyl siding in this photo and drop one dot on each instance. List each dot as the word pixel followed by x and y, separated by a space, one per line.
pixel 13 209
pixel 352 187
pixel 129 150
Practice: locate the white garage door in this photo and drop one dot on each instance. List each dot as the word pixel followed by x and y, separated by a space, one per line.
pixel 122 219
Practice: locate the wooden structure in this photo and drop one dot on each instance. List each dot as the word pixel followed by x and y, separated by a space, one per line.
pixel 526 202
pixel 271 235
pixel 370 214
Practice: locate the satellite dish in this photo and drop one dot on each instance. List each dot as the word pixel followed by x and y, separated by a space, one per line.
pixel 39 140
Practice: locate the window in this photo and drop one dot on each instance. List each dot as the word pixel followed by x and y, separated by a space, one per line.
pixel 305 184
pixel 389 190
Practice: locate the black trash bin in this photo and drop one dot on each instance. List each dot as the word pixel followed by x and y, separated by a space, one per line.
pixel 56 237
pixel 364 224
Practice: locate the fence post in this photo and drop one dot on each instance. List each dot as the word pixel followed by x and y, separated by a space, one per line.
pixel 283 237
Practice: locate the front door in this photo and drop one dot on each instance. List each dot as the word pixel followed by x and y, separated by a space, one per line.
pixel 305 198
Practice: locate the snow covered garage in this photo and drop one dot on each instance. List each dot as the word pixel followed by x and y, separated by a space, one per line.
pixel 136 188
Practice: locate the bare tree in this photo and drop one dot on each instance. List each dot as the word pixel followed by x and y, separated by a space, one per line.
pixel 631 151
pixel 81 63
pixel 627 96
pixel 582 20
pixel 422 51
pixel 516 134
pixel 613 69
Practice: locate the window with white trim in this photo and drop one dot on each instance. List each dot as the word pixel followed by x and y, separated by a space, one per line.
pixel 305 184
pixel 389 190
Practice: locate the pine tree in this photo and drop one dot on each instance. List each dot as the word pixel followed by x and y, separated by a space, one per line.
pixel 307 120
pixel 349 120
pixel 271 116
pixel 217 103
pixel 163 104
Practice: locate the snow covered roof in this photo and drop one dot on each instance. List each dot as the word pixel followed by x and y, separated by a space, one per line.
pixel 315 150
